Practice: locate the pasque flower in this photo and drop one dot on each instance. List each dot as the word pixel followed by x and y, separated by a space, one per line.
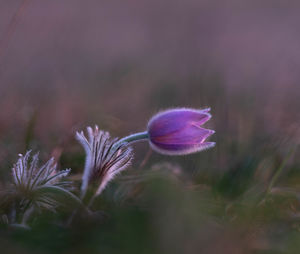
pixel 179 131
pixel 176 131
pixel 40 186
pixel 104 158
pixel 27 176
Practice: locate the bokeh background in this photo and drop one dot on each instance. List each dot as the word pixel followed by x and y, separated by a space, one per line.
pixel 67 64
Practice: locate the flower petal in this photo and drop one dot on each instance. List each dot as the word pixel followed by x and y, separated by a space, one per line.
pixel 174 120
pixel 181 149
pixel 189 135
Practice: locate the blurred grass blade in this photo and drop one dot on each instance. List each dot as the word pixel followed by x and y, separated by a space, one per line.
pixel 279 171
pixel 59 192
pixel 29 134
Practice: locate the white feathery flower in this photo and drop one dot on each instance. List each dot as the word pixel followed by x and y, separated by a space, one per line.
pixel 105 158
pixel 40 187
pixel 27 176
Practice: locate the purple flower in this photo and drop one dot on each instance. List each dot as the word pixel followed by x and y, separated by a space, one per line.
pixel 179 131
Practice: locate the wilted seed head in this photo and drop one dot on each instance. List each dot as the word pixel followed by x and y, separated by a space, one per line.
pixel 40 187
pixel 27 176
pixel 105 158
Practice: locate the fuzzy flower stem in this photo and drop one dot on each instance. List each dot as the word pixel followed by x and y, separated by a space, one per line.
pixel 133 138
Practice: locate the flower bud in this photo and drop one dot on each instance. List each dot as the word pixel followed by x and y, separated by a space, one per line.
pixel 179 131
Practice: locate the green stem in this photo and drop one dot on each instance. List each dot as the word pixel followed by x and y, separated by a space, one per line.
pixel 133 138
pixel 90 203
pixel 278 173
pixel 26 215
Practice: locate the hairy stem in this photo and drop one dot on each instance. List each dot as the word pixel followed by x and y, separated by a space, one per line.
pixel 133 138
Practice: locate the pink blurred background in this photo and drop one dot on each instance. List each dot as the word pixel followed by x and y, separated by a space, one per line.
pixel 115 63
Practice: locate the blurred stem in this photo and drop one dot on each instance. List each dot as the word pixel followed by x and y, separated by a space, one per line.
pixel 92 201
pixel 4 41
pixel 30 130
pixel 278 173
pixel 27 215
pixel 94 196
pixel 27 210
pixel 13 213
